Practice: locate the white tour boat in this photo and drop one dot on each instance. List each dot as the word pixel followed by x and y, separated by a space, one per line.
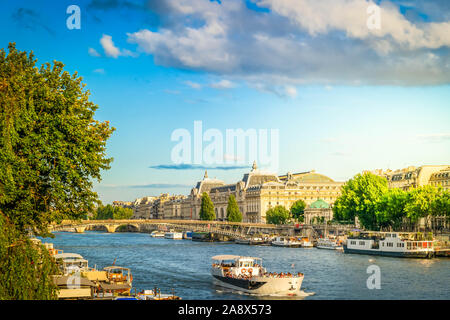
pixel 247 274
pixel 330 244
pixel 287 242
pixel 174 235
pixel 394 244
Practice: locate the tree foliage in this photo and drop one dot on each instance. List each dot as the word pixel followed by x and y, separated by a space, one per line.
pixel 421 202
pixel 51 147
pixel 359 197
pixel 111 212
pixel 25 267
pixel 277 215
pixel 367 197
pixel 51 150
pixel 207 208
pixel 390 208
pixel 298 210
pixel 233 212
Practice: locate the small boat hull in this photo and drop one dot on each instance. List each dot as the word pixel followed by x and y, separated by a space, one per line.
pixel 414 254
pixel 262 285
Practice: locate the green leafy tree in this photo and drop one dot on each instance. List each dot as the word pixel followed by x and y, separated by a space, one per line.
pixel 122 213
pixel 421 202
pixel 110 212
pixel 277 215
pixel 233 212
pixel 391 208
pixel 359 197
pixel 207 208
pixel 441 205
pixel 298 210
pixel 51 150
pixel 51 147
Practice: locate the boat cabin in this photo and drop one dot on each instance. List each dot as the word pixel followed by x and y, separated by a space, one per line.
pixel 232 265
pixel 70 263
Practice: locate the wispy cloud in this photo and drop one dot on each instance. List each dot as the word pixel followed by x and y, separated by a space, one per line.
pixel 147 186
pixel 434 137
pixel 194 167
pixel 100 71
pixel 92 52
pixel 30 19
pixel 160 185
pixel 111 50
pixel 193 85
pixel 222 84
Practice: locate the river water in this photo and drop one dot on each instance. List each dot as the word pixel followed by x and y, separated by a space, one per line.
pixel 184 266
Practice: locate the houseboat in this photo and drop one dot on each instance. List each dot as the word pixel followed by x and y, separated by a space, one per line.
pixel 187 235
pixel 330 244
pixel 286 242
pixel 394 244
pixel 246 274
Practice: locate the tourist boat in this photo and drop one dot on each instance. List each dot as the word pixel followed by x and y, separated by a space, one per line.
pixel 394 244
pixel 119 280
pixel 327 243
pixel 286 242
pixel 246 274
pixel 173 235
pixel 157 234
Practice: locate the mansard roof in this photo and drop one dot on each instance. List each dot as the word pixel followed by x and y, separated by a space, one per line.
pixel 308 177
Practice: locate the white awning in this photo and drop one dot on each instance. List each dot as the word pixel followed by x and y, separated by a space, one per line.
pixel 67 255
pixel 225 257
pixel 233 257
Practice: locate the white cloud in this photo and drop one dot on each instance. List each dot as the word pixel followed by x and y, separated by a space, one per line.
pixel 101 71
pixel 193 85
pixel 93 52
pixel 435 137
pixel 350 16
pixel 111 50
pixel 297 42
pixel 222 84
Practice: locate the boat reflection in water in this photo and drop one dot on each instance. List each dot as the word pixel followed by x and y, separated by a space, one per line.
pixel 247 274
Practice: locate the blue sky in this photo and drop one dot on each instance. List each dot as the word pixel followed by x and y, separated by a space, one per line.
pixel 344 98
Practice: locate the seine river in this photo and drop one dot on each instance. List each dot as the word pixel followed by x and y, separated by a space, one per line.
pixel 184 265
